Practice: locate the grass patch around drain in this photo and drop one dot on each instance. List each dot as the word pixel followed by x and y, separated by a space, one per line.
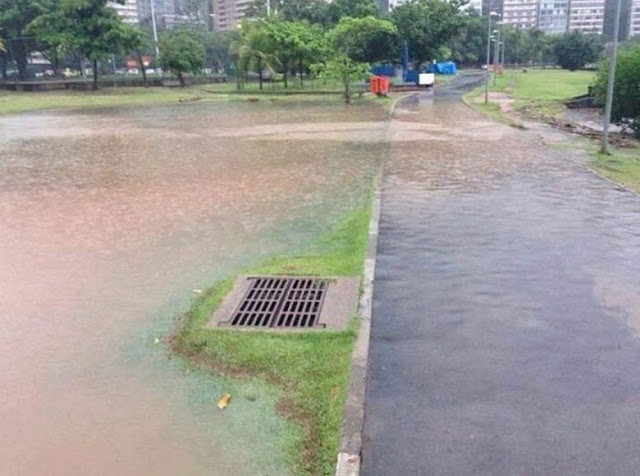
pixel 311 369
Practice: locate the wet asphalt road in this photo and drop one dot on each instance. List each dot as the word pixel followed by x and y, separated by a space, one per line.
pixel 506 325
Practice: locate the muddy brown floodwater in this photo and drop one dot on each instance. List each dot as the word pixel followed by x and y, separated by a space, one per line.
pixel 109 220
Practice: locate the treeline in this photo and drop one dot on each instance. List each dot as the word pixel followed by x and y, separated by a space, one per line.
pixel 298 37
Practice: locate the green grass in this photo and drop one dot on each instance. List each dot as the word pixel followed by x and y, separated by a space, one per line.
pixel 623 165
pixel 310 368
pixel 16 101
pixel 294 86
pixel 538 93
pixel 12 102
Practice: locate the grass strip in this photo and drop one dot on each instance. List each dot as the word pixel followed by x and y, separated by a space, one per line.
pixel 623 166
pixel 310 368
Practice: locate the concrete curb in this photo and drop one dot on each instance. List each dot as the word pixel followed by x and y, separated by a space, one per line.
pixel 348 463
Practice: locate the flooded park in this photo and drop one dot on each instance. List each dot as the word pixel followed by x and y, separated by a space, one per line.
pixel 113 220
pixel 506 311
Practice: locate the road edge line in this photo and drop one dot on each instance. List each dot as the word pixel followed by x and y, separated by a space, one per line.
pixel 349 455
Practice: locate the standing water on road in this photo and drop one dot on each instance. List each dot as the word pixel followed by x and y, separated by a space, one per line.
pixel 506 322
pixel 110 219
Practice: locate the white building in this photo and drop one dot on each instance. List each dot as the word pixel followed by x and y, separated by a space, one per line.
pixel 587 16
pixel 228 14
pixel 128 12
pixel 520 13
pixel 553 16
pixel 396 3
pixel 634 27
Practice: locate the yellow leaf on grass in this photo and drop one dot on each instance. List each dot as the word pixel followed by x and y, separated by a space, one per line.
pixel 224 401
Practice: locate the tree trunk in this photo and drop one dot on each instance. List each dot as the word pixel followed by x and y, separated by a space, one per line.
pixel 260 72
pixel 300 70
pixel 20 55
pixel 347 92
pixel 143 69
pixel 181 79
pixel 285 78
pixel 95 75
pixel 3 64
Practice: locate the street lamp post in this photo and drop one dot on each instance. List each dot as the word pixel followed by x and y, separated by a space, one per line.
pixel 496 52
pixel 611 80
pixel 486 71
pixel 155 28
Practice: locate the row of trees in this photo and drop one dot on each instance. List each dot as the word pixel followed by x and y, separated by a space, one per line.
pixel 338 38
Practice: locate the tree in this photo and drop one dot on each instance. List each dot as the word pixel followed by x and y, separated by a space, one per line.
pixel 626 89
pixel 136 40
pixel 365 40
pixel 344 69
pixel 254 49
pixel 292 43
pixel 574 50
pixel 182 52
pixel 353 41
pixel 313 11
pixel 217 44
pixel 470 45
pixel 15 15
pixel 427 25
pixel 88 27
pixel 339 9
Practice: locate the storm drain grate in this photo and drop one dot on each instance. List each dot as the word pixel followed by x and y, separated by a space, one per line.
pixel 281 302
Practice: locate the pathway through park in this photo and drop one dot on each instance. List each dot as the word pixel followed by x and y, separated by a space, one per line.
pixel 506 326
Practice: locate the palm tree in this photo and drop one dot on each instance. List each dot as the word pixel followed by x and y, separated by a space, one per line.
pixel 249 51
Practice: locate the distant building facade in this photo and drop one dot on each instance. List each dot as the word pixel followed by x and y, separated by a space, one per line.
pixel 587 16
pixel 553 16
pixel 228 14
pixel 634 23
pixel 128 12
pixel 520 13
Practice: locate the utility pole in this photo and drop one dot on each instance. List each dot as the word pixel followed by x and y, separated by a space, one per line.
pixel 155 28
pixel 486 71
pixel 612 78
pixel 496 51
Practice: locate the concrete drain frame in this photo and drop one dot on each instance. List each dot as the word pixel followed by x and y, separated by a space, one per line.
pixel 288 303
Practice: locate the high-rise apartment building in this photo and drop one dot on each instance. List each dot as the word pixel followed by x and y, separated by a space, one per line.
pixel 128 12
pixel 520 13
pixel 228 14
pixel 587 16
pixel 553 16
pixel 634 21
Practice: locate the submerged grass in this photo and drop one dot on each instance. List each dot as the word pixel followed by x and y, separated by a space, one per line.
pixel 12 102
pixel 311 369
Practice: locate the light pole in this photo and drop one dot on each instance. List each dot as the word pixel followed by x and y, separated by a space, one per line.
pixel 486 71
pixel 611 80
pixel 496 51
pixel 155 28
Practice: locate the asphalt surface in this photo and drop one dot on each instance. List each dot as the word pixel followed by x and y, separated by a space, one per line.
pixel 506 320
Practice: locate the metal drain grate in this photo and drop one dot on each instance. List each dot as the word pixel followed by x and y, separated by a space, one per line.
pixel 281 302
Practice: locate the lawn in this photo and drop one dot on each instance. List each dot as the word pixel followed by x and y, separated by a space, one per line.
pixel 538 93
pixel 15 101
pixel 623 165
pixel 311 369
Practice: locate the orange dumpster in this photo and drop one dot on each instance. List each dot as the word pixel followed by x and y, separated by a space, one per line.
pixel 383 85
pixel 374 84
